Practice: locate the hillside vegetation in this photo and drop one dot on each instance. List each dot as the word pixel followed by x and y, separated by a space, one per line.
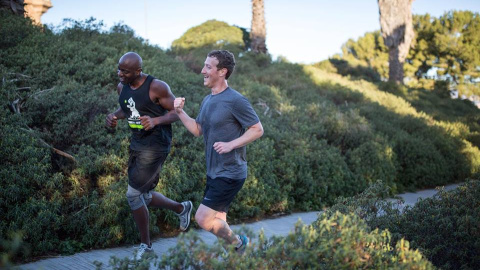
pixel 63 174
pixel 444 48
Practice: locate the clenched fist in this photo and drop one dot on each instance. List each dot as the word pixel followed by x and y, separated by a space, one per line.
pixel 178 104
pixel 147 122
pixel 222 147
pixel 111 121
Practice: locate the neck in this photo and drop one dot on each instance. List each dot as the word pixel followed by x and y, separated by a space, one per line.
pixel 138 81
pixel 217 89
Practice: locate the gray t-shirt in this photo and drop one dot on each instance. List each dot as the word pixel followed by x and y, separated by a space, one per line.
pixel 223 118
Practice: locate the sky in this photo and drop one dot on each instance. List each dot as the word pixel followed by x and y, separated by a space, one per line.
pixel 302 31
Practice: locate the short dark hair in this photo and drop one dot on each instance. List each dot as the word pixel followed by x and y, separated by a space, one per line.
pixel 225 60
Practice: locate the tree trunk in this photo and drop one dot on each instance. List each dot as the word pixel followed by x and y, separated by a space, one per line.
pixel 36 8
pixel 258 32
pixel 395 67
pixel 16 6
pixel 397 31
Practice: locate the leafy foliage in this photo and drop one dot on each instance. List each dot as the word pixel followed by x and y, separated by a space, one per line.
pixel 444 228
pixel 211 32
pixel 447 46
pixel 336 242
pixel 193 46
pixel 325 136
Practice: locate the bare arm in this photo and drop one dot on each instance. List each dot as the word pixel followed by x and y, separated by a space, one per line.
pixel 111 119
pixel 160 93
pixel 254 132
pixel 187 121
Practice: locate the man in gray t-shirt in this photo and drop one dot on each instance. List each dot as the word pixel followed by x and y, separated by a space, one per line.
pixel 223 118
pixel 228 123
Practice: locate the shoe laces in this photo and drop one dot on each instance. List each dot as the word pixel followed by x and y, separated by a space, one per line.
pixel 142 249
pixel 182 214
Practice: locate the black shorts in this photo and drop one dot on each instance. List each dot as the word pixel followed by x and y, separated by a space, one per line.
pixel 220 192
pixel 144 169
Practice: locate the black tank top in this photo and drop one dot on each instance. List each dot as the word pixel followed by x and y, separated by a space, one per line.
pixel 136 103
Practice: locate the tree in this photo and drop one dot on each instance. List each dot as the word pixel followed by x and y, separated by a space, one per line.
pixel 258 33
pixel 455 45
pixel 368 50
pixel 447 48
pixel 211 32
pixel 397 31
pixel 193 46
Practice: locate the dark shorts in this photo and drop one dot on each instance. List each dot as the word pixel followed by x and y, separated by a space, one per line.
pixel 220 192
pixel 144 169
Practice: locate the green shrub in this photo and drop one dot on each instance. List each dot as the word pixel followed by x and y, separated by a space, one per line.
pixel 10 246
pixel 14 29
pixel 374 161
pixel 321 175
pixel 445 227
pixel 30 194
pixel 421 164
pixel 262 192
pixel 325 135
pixel 350 68
pixel 371 205
pixel 336 242
pixel 347 130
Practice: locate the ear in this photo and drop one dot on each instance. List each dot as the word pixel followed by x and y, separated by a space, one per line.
pixel 223 72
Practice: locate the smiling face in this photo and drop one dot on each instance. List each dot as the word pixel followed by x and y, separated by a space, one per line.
pixel 129 68
pixel 211 75
pixel 126 75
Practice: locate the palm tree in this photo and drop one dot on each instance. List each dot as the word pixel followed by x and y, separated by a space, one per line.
pixel 397 32
pixel 258 32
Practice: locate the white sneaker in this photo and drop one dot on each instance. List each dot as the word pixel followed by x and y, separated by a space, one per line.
pixel 185 215
pixel 142 251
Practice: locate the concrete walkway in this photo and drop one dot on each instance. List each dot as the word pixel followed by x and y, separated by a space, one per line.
pixel 280 226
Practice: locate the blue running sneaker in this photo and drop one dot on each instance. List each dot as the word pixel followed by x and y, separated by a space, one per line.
pixel 245 241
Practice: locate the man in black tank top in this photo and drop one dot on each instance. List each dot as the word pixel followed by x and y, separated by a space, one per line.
pixel 147 104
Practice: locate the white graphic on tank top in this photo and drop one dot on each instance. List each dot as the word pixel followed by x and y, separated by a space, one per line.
pixel 134 119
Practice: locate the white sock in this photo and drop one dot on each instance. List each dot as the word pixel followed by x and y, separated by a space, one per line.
pixel 240 243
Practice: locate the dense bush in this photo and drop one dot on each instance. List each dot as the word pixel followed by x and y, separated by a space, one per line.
pixel 399 125
pixel 30 197
pixel 374 160
pixel 325 136
pixel 445 228
pixel 336 242
pixel 59 88
pixel 372 205
pixel 352 68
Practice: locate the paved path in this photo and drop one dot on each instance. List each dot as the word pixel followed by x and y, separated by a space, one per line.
pixel 412 197
pixel 280 226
